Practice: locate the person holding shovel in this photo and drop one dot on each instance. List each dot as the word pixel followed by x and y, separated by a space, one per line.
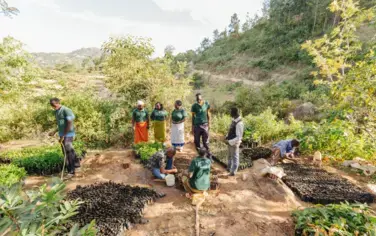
pixel 64 117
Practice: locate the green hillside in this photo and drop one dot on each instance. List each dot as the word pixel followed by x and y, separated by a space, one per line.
pixel 77 60
pixel 271 40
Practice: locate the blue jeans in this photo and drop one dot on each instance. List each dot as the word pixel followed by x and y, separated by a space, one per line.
pixel 233 158
pixel 157 172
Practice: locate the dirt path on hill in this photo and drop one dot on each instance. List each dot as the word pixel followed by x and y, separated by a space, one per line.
pixel 256 206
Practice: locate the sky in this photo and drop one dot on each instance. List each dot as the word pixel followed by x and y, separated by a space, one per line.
pixel 67 25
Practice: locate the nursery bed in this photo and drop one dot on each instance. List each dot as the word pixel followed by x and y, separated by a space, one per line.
pixel 318 186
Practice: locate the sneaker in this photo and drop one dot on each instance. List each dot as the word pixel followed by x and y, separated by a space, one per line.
pixel 232 174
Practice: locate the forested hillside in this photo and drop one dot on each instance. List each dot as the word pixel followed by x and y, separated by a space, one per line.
pixel 272 39
pixel 84 59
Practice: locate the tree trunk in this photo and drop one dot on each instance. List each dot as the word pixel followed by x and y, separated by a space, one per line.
pixel 314 21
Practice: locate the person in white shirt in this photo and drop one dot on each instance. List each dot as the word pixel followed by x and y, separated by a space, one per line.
pixel 234 139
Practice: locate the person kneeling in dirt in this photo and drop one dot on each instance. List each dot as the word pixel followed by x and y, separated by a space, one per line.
pixel 162 163
pixel 284 149
pixel 198 180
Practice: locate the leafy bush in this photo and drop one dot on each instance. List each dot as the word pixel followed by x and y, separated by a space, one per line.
pixel 335 219
pixel 197 81
pixel 267 127
pixel 220 123
pixel 11 174
pixel 336 138
pixel 146 150
pixel 45 160
pixel 42 212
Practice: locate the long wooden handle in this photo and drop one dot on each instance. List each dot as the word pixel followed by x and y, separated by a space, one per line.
pixel 198 216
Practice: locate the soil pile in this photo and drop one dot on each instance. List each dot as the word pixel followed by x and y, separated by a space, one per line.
pixel 115 207
pixel 316 185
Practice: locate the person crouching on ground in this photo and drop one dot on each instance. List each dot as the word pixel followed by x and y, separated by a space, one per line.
pixel 284 149
pixel 162 163
pixel 64 118
pixel 140 123
pixel 234 139
pixel 198 180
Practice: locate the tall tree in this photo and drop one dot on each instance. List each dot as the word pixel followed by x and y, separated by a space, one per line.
pixel 248 23
pixel 223 34
pixel 169 50
pixel 342 65
pixel 7 10
pixel 216 35
pixel 234 24
pixel 205 44
pixel 133 74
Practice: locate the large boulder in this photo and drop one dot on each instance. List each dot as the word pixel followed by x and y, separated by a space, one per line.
pixel 306 111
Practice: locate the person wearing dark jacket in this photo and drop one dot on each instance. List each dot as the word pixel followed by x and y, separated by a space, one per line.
pixel 234 139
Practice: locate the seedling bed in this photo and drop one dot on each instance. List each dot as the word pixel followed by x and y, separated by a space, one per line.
pixel 115 207
pixel 222 158
pixel 257 153
pixel 318 186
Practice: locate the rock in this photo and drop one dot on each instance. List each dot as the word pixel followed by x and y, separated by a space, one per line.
pixel 244 177
pixel 306 111
pixel 126 165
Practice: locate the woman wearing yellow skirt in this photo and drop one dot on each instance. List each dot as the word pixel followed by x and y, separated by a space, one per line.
pixel 158 116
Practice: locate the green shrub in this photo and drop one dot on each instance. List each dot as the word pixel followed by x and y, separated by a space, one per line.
pixel 336 138
pixel 335 219
pixel 40 212
pixel 11 174
pixel 45 160
pixel 220 123
pixel 146 150
pixel 267 127
pixel 197 81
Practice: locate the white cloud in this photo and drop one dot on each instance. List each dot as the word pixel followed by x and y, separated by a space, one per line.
pixel 44 26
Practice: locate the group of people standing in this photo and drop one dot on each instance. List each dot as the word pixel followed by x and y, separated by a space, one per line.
pixel 159 116
pixel 162 163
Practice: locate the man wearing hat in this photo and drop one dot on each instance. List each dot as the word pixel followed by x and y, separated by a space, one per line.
pixel 140 122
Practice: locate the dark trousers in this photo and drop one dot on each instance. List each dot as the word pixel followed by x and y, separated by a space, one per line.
pixel 70 154
pixel 169 163
pixel 202 131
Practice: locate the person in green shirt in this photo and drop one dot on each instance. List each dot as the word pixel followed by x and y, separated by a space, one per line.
pixel 159 116
pixel 140 122
pixel 178 117
pixel 64 118
pixel 201 123
pixel 199 174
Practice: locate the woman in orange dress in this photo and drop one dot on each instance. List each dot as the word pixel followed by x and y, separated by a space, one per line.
pixel 140 122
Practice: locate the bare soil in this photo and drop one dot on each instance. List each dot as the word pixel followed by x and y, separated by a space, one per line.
pixel 256 206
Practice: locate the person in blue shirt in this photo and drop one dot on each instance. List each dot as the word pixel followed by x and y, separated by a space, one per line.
pixel 283 149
